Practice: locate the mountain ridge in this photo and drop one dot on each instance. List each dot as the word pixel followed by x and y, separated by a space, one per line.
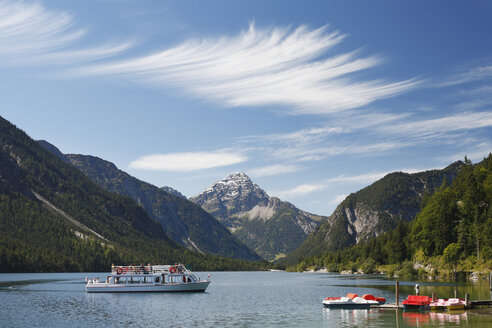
pixel 267 224
pixel 53 218
pixel 373 210
pixel 183 221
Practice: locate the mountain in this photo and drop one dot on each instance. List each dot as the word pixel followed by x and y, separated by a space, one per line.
pixel 268 225
pixel 173 192
pixel 53 218
pixel 452 230
pixel 183 221
pixel 373 210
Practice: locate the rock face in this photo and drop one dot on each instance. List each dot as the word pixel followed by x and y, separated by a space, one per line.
pixel 234 196
pixel 268 225
pixel 374 210
pixel 183 221
pixel 173 192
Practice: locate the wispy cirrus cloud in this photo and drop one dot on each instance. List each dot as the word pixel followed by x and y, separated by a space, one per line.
pixel 371 134
pixel 365 178
pixel 356 180
pixel 300 190
pixel 273 66
pixel 273 170
pixel 433 127
pixel 187 161
pixel 308 188
pixel 31 33
pixel 466 76
pixel 338 199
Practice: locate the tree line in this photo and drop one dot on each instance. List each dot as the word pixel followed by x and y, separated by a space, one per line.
pixel 452 231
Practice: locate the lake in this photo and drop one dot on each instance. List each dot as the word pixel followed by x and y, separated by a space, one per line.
pixel 233 299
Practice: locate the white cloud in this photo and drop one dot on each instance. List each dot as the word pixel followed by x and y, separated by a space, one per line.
pixel 475 153
pixel 362 179
pixel 187 161
pixel 305 189
pixel 470 75
pixel 30 28
pixel 438 126
pixel 300 190
pixel 306 152
pixel 263 67
pixel 338 199
pixel 30 33
pixel 272 170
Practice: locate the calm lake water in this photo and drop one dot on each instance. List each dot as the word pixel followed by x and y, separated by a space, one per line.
pixel 234 299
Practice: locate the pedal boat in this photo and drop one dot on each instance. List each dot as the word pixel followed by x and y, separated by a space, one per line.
pixel 455 304
pixel 439 305
pixel 417 302
pixel 351 301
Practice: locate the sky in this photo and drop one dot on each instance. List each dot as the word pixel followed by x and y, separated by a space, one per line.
pixel 313 100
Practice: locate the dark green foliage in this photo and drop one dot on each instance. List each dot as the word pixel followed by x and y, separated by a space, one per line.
pixel 381 206
pixel 35 238
pixel 182 220
pixel 458 214
pixel 456 222
pixel 435 227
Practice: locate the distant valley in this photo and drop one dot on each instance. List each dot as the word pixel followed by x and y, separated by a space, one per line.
pixel 183 221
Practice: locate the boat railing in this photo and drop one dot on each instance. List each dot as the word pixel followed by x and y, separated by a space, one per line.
pixel 132 269
pixel 149 269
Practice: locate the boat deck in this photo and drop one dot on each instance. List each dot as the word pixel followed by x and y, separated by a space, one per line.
pixel 387 306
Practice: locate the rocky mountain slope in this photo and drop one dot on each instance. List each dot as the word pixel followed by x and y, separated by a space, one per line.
pixel 173 191
pixel 183 221
pixel 373 210
pixel 268 225
pixel 53 218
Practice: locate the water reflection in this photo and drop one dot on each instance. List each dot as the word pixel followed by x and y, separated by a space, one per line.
pixel 425 319
pixel 241 299
pixel 350 318
pixel 450 317
pixel 416 319
pixel 381 317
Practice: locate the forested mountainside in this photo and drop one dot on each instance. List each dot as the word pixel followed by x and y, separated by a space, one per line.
pixel 183 221
pixel 54 218
pixel 373 210
pixel 453 231
pixel 268 225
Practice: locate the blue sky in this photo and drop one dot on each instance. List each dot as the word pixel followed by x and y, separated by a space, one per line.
pixel 312 99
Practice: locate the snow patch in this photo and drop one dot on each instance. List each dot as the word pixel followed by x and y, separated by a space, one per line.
pixel 262 212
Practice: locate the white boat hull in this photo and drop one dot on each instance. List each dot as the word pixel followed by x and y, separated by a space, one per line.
pixel 139 288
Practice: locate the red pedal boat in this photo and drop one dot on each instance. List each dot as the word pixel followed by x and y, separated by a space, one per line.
pixel 417 302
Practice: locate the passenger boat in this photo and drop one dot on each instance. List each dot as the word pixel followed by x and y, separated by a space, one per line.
pixel 351 301
pixel 149 278
pixel 416 302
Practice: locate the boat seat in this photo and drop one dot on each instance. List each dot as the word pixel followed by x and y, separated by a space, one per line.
pixel 417 300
